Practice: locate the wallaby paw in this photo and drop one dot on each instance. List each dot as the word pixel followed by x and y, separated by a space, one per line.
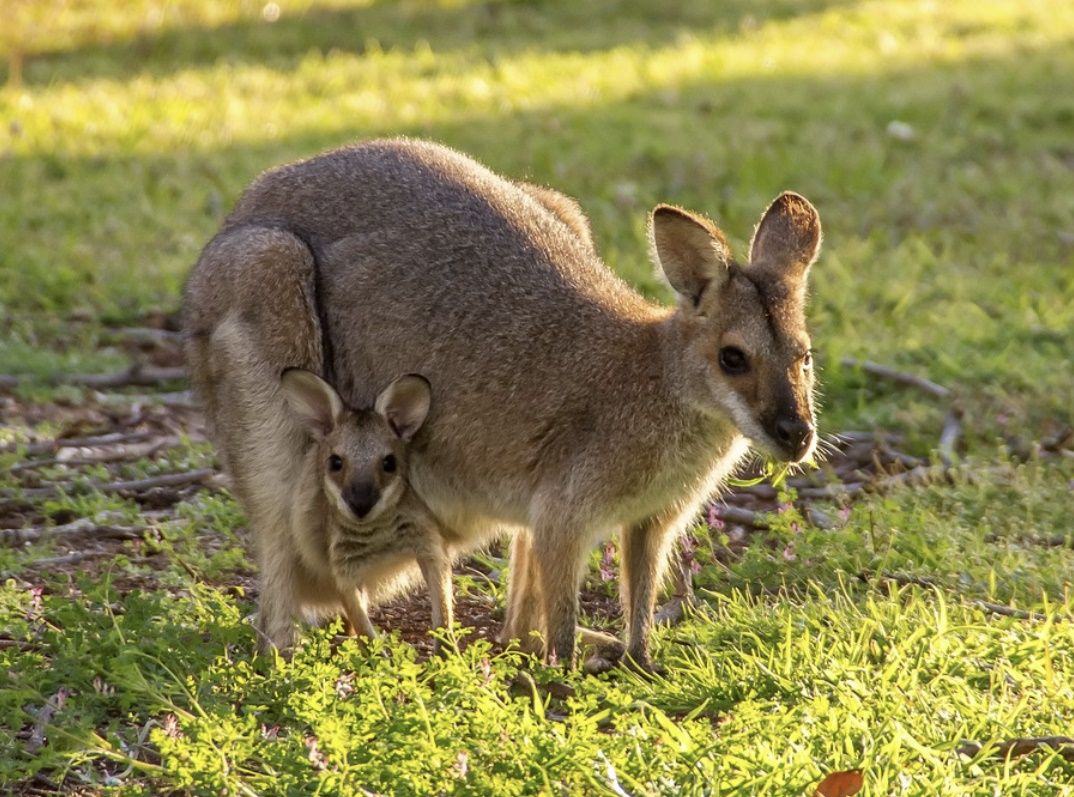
pixel 596 664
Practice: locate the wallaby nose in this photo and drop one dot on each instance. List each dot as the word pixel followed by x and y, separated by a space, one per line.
pixel 361 498
pixel 795 435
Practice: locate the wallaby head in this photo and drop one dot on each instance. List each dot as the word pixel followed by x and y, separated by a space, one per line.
pixel 745 343
pixel 362 453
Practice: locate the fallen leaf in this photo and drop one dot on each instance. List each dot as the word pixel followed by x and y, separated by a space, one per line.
pixel 840 784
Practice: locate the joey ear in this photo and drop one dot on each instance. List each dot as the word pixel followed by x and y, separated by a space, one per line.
pixel 787 239
pixel 313 400
pixel 690 249
pixel 405 404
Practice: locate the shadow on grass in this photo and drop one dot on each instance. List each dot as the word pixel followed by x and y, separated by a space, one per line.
pixel 498 27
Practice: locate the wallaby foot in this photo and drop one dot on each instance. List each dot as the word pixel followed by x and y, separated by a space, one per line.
pixel 600 652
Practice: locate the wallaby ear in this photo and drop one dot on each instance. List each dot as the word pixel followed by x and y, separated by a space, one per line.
pixel 313 400
pixel 690 249
pixel 787 239
pixel 405 404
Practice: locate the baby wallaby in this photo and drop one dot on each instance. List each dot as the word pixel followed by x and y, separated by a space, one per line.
pixel 568 407
pixel 362 528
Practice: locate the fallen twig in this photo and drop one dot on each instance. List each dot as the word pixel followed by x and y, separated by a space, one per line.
pixel 48 446
pixel 932 583
pixel 928 386
pixel 99 454
pixel 1012 748
pixel 145 335
pixel 952 431
pixel 77 528
pixel 1008 611
pixel 63 561
pixel 740 516
pixel 135 485
pixel 137 375
pixel 18 644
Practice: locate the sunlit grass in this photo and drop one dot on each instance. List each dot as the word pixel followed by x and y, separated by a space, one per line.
pixel 934 137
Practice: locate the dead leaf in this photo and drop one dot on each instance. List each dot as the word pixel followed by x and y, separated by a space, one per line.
pixel 840 784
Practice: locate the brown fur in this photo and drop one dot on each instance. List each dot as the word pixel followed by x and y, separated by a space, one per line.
pixel 568 407
pixel 249 313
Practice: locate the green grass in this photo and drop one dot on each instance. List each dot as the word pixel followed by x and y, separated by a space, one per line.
pixel 935 139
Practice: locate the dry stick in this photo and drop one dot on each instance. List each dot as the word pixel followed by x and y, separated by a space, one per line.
pixel 18 644
pixel 991 608
pixel 1007 611
pixel 933 389
pixel 63 561
pixel 168 480
pixel 77 528
pixel 122 453
pixel 952 430
pixel 740 516
pixel 137 375
pixel 1063 745
pixel 145 335
pixel 47 446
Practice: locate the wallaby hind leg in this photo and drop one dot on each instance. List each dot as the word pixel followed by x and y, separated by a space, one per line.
pixel 644 552
pixel 278 605
pixel 524 619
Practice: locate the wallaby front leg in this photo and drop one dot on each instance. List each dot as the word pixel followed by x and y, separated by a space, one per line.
pixel 436 570
pixel 644 553
pixel 356 610
pixel 524 619
pixel 560 559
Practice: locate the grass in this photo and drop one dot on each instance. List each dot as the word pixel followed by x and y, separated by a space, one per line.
pixel 935 140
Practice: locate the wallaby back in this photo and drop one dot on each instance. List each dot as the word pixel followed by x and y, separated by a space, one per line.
pixel 567 405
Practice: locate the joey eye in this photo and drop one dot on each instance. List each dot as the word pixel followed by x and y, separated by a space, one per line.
pixel 388 464
pixel 335 463
pixel 733 361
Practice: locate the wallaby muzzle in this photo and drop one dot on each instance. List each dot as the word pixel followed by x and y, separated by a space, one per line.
pixel 361 497
pixel 795 436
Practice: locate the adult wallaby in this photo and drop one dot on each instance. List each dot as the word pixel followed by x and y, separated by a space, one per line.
pixel 568 407
pixel 323 485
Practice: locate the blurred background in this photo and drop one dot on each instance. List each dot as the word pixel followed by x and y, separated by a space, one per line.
pixel 936 139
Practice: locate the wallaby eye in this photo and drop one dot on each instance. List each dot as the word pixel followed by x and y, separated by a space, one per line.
pixel 733 360
pixel 807 361
pixel 335 463
pixel 388 464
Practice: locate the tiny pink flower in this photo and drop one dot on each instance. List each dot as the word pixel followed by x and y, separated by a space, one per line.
pixel 462 764
pixel 789 554
pixel 316 757
pixel 607 562
pixel 714 518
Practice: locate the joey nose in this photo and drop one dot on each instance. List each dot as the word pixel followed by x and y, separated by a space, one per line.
pixel 361 498
pixel 795 435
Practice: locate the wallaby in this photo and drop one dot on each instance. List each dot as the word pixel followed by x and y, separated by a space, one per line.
pixel 567 406
pixel 323 485
pixel 361 528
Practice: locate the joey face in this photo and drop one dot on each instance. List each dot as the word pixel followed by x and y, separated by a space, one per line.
pixel 364 467
pixel 362 453
pixel 746 348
